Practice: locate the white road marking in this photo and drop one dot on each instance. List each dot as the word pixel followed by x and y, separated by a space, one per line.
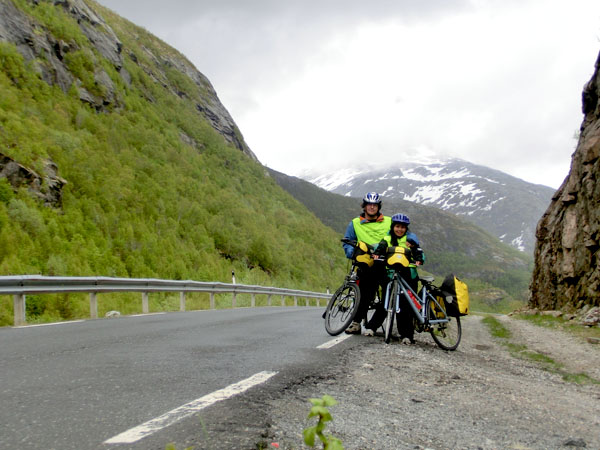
pixel 335 341
pixel 169 418
pixel 48 324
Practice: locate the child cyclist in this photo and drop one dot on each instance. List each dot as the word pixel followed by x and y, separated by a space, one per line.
pixel 399 236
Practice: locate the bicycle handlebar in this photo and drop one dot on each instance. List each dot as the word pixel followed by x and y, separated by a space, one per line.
pixel 354 243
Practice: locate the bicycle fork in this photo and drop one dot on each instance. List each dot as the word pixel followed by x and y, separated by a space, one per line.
pixel 388 298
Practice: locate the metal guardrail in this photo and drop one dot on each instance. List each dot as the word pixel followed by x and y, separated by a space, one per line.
pixel 23 285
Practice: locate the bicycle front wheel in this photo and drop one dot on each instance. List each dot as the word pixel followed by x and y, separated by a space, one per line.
pixel 342 308
pixel 447 335
pixel 391 312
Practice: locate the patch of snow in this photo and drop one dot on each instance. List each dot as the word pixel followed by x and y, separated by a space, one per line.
pixel 491 181
pixel 428 194
pixel 436 174
pixel 518 243
pixel 331 181
pixel 491 204
pixel 470 189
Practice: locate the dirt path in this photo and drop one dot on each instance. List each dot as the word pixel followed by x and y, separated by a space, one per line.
pixel 478 397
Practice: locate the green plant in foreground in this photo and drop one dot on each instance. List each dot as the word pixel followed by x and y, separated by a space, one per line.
pixel 500 332
pixel 320 410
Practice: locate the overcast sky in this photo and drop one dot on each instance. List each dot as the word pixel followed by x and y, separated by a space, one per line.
pixel 319 84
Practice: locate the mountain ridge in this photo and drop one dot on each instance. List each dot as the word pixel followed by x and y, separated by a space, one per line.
pixel 504 205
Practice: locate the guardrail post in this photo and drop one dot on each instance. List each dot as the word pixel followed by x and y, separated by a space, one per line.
pixel 19 310
pixel 318 302
pixel 233 299
pixel 269 300
pixel 283 300
pixel 252 300
pixel 93 305
pixel 212 300
pixel 295 301
pixel 307 301
pixel 145 308
pixel 182 301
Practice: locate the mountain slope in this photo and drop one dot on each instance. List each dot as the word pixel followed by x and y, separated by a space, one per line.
pixel 505 206
pixel 451 243
pixel 117 159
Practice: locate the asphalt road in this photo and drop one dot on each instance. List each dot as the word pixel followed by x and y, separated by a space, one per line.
pixel 76 385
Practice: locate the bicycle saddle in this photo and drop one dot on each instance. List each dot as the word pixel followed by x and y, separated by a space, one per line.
pixel 427 279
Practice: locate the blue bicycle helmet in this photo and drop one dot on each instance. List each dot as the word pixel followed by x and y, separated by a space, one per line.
pixel 371 197
pixel 400 218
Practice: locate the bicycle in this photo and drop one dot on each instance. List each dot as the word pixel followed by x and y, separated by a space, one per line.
pixel 431 313
pixel 343 305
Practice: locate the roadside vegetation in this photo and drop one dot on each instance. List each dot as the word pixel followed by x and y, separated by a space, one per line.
pixel 140 201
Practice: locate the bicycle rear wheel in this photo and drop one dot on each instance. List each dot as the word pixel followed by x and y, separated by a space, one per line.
pixel 342 308
pixel 447 335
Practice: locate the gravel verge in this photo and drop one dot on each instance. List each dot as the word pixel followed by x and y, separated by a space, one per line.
pixel 574 353
pixel 421 397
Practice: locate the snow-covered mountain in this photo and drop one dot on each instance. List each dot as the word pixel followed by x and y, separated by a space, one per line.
pixel 505 206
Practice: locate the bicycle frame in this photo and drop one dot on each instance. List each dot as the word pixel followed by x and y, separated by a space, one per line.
pixel 420 306
pixel 431 316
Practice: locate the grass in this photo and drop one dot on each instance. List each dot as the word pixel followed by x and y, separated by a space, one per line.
pixel 497 330
pixel 518 350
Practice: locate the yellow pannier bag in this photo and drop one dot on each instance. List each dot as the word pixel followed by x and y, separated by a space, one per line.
pixel 458 291
pixel 396 257
pixel 362 255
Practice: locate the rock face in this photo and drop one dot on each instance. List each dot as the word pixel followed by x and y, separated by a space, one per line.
pixel 47 188
pixel 567 262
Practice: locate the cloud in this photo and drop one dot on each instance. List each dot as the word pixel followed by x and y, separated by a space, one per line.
pixel 313 84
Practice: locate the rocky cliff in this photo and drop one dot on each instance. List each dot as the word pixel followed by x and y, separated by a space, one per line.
pixel 47 188
pixel 567 263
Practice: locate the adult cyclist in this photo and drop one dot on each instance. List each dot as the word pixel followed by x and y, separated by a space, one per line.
pixel 370 227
